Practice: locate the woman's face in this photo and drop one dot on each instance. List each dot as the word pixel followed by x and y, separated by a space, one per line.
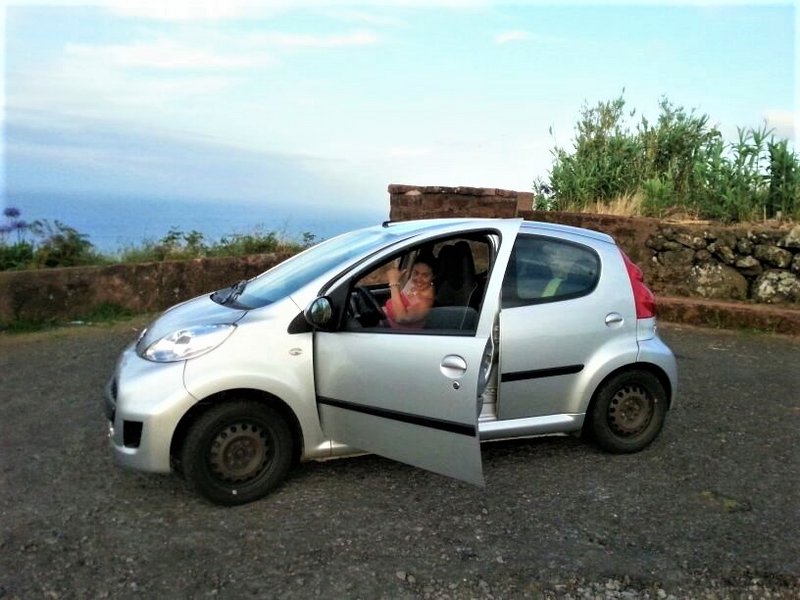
pixel 421 275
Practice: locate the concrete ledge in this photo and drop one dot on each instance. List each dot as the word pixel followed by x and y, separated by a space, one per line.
pixel 729 315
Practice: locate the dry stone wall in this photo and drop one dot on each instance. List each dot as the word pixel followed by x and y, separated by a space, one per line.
pixel 728 264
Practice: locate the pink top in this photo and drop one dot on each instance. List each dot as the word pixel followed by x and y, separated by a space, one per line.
pixel 388 308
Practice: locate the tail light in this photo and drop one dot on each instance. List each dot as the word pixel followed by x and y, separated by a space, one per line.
pixel 643 298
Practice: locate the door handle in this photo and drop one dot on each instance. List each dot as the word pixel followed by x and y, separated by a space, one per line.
pixel 614 319
pixel 453 366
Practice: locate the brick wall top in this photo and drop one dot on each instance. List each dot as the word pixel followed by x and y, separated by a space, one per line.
pixel 461 191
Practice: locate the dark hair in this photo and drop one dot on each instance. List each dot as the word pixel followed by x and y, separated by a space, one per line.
pixel 426 257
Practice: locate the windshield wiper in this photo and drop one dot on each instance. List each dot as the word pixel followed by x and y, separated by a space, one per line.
pixel 232 292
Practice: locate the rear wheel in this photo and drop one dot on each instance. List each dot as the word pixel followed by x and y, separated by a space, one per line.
pixel 237 452
pixel 628 412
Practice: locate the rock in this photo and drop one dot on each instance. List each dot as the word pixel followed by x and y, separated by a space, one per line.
pixel 796 264
pixel 773 255
pixel 669 245
pixel 792 239
pixel 723 251
pixel 690 241
pixel 656 242
pixel 673 258
pixel 717 281
pixel 749 266
pixel 744 246
pixel 775 286
pixel 703 256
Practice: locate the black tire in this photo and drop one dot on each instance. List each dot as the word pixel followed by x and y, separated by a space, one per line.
pixel 237 452
pixel 628 412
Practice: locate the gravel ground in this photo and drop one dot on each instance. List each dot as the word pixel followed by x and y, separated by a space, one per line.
pixel 709 511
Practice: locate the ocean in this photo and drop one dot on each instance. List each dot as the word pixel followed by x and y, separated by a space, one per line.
pixel 113 224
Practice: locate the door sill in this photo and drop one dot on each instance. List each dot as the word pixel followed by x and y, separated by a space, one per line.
pixel 495 429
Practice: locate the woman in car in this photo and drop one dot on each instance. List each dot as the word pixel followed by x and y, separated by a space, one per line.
pixel 408 307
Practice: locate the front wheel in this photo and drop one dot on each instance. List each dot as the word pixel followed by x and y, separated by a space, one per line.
pixel 628 412
pixel 237 452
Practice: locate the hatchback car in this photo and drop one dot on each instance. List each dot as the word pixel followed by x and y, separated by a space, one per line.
pixel 532 329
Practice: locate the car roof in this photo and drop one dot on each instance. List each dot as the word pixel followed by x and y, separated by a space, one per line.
pixel 542 227
pixel 414 227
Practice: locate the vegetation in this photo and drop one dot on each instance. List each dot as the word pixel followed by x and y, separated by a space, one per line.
pixel 177 245
pixel 41 244
pixel 680 163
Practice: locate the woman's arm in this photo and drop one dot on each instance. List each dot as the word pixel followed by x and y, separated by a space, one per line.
pixel 416 311
pixel 418 306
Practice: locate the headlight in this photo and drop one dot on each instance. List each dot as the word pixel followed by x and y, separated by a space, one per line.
pixel 188 343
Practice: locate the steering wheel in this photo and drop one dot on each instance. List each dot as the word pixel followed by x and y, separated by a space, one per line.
pixel 365 308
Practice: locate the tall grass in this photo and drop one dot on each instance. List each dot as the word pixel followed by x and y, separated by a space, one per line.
pixel 679 162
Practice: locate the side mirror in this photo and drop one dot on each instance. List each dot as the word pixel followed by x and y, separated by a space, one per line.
pixel 319 312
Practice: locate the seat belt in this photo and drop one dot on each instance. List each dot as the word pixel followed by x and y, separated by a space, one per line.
pixel 551 287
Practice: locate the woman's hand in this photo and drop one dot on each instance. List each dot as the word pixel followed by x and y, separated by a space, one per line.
pixel 394 275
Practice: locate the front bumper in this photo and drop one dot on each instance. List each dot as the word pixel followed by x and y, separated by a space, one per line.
pixel 144 402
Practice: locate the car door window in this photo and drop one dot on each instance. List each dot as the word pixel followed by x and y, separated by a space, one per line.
pixel 461 267
pixel 544 269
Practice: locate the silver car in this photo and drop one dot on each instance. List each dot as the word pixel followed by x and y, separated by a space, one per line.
pixel 534 329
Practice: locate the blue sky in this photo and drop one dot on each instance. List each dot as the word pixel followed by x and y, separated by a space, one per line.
pixel 311 103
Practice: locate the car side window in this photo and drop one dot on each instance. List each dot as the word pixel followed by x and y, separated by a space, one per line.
pixel 543 269
pixel 460 267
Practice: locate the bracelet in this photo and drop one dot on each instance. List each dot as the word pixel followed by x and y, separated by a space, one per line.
pixel 397 285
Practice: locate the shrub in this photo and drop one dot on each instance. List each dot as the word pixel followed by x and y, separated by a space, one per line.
pixel 680 161
pixel 63 246
pixel 19 253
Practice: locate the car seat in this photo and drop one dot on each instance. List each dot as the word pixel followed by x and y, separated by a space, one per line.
pixel 459 318
pixel 457 282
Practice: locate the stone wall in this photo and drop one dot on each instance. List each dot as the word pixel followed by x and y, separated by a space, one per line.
pixel 679 259
pixel 76 292
pixel 728 263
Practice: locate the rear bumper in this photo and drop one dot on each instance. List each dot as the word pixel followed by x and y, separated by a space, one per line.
pixel 655 352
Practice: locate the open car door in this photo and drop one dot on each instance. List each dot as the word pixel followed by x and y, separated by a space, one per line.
pixel 411 397
pixel 414 396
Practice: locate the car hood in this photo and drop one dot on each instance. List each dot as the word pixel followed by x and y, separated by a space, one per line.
pixel 198 311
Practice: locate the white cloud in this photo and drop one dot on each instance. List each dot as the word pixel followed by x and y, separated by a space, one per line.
pixel 782 121
pixel 86 82
pixel 163 54
pixel 185 10
pixel 407 152
pixel 290 40
pixel 511 36
pixel 370 18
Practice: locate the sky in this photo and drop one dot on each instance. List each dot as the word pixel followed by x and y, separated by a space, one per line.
pixel 324 104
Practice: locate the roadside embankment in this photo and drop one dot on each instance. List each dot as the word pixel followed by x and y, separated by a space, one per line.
pixel 729 315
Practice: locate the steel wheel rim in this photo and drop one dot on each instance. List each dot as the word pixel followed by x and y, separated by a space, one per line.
pixel 239 452
pixel 631 410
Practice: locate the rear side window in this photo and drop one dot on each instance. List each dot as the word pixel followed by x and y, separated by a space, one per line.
pixel 545 269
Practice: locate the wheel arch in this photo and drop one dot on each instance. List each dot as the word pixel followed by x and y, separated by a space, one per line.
pixel 651 368
pixel 274 402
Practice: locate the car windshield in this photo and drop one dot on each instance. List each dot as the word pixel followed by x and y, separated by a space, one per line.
pixel 297 271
